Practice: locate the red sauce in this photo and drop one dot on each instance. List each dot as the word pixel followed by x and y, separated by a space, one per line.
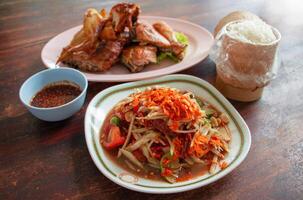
pixel 56 94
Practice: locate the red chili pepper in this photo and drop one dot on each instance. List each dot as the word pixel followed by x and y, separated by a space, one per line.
pixel 166 161
pixel 136 108
pixel 167 172
pixel 157 151
pixel 157 155
pixel 114 138
pixel 136 105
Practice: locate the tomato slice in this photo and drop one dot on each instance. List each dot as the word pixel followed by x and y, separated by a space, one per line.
pixel 139 155
pixel 114 138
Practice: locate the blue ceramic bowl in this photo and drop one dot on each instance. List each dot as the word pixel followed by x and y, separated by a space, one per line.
pixel 36 82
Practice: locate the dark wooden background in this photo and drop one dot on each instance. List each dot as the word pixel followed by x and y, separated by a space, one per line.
pixel 40 160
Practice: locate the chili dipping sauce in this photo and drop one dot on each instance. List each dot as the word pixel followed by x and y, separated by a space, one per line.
pixel 56 94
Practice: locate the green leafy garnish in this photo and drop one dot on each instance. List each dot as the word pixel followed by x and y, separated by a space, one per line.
pixel 182 38
pixel 115 121
pixel 163 55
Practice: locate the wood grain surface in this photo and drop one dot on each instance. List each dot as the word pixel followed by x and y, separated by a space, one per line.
pixel 40 160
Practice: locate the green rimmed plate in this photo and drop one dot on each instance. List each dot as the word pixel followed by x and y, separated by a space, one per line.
pixel 103 102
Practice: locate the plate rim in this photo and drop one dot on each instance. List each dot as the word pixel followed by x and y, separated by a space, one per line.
pixel 162 190
pixel 142 75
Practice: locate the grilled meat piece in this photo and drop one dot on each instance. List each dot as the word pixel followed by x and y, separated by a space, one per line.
pixel 85 41
pixel 97 46
pixel 108 33
pixel 99 43
pixel 160 35
pixel 102 59
pixel 146 34
pixel 124 15
pixel 136 57
pixel 165 30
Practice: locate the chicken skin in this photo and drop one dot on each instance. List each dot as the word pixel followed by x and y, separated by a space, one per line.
pixel 136 57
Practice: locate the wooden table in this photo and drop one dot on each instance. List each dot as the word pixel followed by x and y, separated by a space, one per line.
pixel 40 160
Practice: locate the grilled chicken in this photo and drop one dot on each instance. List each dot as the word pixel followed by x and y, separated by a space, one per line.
pixel 85 42
pixel 98 45
pixel 124 15
pixel 165 30
pixel 136 57
pixel 102 59
pixel 146 34
pixel 107 33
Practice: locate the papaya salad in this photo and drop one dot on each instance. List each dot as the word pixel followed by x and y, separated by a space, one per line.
pixel 166 133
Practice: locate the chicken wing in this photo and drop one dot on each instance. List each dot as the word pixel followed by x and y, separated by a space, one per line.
pixel 136 57
pixel 124 15
pixel 85 42
pixel 108 33
pixel 165 30
pixel 146 34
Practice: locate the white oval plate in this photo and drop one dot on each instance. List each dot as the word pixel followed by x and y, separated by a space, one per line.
pixel 200 42
pixel 103 102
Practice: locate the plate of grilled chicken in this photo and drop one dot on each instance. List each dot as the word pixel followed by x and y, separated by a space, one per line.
pixel 124 45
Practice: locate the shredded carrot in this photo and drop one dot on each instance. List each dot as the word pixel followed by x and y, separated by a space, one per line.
pixel 201 139
pixel 177 147
pixel 215 141
pixel 175 105
pixel 223 165
pixel 135 102
pixel 174 125
pixel 200 146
